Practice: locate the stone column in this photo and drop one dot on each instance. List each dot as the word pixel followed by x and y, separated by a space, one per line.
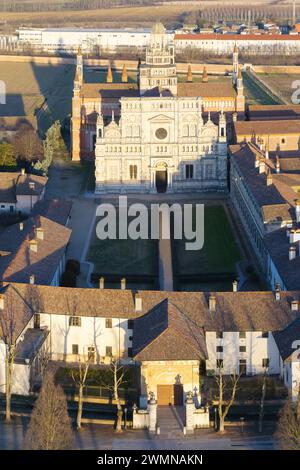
pixel 152 413
pixel 189 413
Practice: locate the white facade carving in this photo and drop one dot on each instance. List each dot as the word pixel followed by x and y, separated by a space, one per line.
pixel 161 142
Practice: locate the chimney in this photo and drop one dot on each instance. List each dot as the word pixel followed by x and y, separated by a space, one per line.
pixel 294 305
pixel 32 279
pixel 21 226
pixel 40 233
pixel 262 166
pixel 292 252
pixel 277 291
pixel 33 246
pixel 32 185
pixel 267 153
pixel 297 210
pixel 123 283
pixel 212 303
pixel 294 235
pixel 101 283
pixel 23 171
pixel 257 161
pixel 277 164
pixel 269 179
pixel 138 303
pixel 1 302
pixel 235 286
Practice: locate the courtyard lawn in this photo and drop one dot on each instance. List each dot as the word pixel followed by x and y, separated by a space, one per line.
pixel 217 258
pixel 135 259
pixel 254 93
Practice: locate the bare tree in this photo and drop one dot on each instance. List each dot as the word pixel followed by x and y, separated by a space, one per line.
pixel 50 426
pixel 8 336
pixel 262 400
pixel 118 373
pixel 79 379
pixel 224 405
pixel 288 430
pixel 27 144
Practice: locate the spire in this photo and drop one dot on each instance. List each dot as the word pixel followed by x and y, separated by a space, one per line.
pixel 109 77
pixel 204 75
pixel 189 77
pixel 124 74
pixel 240 77
pixel 112 116
pixel 79 52
pixel 235 49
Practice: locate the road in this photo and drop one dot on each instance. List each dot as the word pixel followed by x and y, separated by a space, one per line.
pixel 102 437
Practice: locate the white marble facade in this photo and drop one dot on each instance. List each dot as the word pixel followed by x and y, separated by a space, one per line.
pixel 161 142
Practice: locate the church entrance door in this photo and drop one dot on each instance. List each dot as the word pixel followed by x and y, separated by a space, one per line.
pixel 161 181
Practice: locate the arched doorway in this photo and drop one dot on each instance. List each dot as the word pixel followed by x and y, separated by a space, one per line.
pixel 161 178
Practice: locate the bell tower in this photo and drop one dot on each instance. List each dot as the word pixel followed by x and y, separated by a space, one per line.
pixel 76 108
pixel 159 71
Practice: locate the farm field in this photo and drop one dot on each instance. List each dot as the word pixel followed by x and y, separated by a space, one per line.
pixel 30 85
pixel 281 83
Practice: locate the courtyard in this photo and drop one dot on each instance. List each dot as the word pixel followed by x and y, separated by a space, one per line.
pixel 214 267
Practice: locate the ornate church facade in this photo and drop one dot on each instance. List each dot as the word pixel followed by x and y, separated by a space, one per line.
pixel 157 135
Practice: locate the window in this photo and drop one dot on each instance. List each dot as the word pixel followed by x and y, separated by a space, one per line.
pixel 283 140
pixel 219 334
pixel 265 334
pixel 265 363
pixel 242 334
pixel 75 349
pixel 243 366
pixel 133 172
pixel 242 348
pixel 91 354
pixel 220 349
pixel 74 321
pixel 220 363
pixel 129 352
pixel 130 324
pixel 189 171
pixel 108 351
pixel 108 323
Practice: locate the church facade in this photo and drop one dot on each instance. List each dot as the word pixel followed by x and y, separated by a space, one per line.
pixel 158 135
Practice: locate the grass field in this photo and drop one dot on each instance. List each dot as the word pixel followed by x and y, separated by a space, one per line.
pixel 119 258
pixel 214 265
pixel 255 94
pixel 28 85
pixel 281 83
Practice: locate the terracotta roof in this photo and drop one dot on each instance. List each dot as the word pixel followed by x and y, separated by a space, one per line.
pixel 174 323
pixel 237 37
pixel 286 338
pixel 13 184
pixel 266 127
pixel 93 90
pixel 279 111
pixel 278 245
pixel 22 262
pixel 206 90
pixel 166 333
pixel 57 210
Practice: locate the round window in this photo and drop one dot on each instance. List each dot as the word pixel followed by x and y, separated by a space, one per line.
pixel 161 133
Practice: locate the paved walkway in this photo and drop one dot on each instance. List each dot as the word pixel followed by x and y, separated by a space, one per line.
pixel 171 420
pixel 165 256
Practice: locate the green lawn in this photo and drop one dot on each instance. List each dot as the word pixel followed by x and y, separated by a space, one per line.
pixel 118 258
pixel 254 93
pixel 220 252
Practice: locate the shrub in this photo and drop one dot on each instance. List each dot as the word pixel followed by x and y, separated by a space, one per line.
pixel 74 266
pixel 68 279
